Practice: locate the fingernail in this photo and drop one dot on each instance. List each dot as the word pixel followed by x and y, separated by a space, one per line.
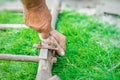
pixel 62 54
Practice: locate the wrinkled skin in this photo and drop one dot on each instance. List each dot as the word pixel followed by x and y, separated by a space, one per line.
pixel 38 17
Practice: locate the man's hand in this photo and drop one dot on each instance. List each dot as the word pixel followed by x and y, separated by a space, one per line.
pixel 58 40
pixel 38 17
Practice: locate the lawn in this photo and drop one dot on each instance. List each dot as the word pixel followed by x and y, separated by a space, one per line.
pixel 93 49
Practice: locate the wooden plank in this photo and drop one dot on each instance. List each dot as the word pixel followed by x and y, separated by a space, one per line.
pixel 45 66
pixel 15 26
pixel 23 58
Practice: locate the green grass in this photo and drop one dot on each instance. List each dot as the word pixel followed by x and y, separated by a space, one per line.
pixel 93 50
pixel 18 42
pixel 11 17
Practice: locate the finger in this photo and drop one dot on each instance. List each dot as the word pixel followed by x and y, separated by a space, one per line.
pixel 47 40
pixel 60 50
pixel 61 39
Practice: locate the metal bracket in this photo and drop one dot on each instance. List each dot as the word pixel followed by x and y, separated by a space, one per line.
pixel 40 46
pixel 43 54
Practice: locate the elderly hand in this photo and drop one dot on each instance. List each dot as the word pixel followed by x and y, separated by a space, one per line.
pixel 57 39
pixel 38 17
